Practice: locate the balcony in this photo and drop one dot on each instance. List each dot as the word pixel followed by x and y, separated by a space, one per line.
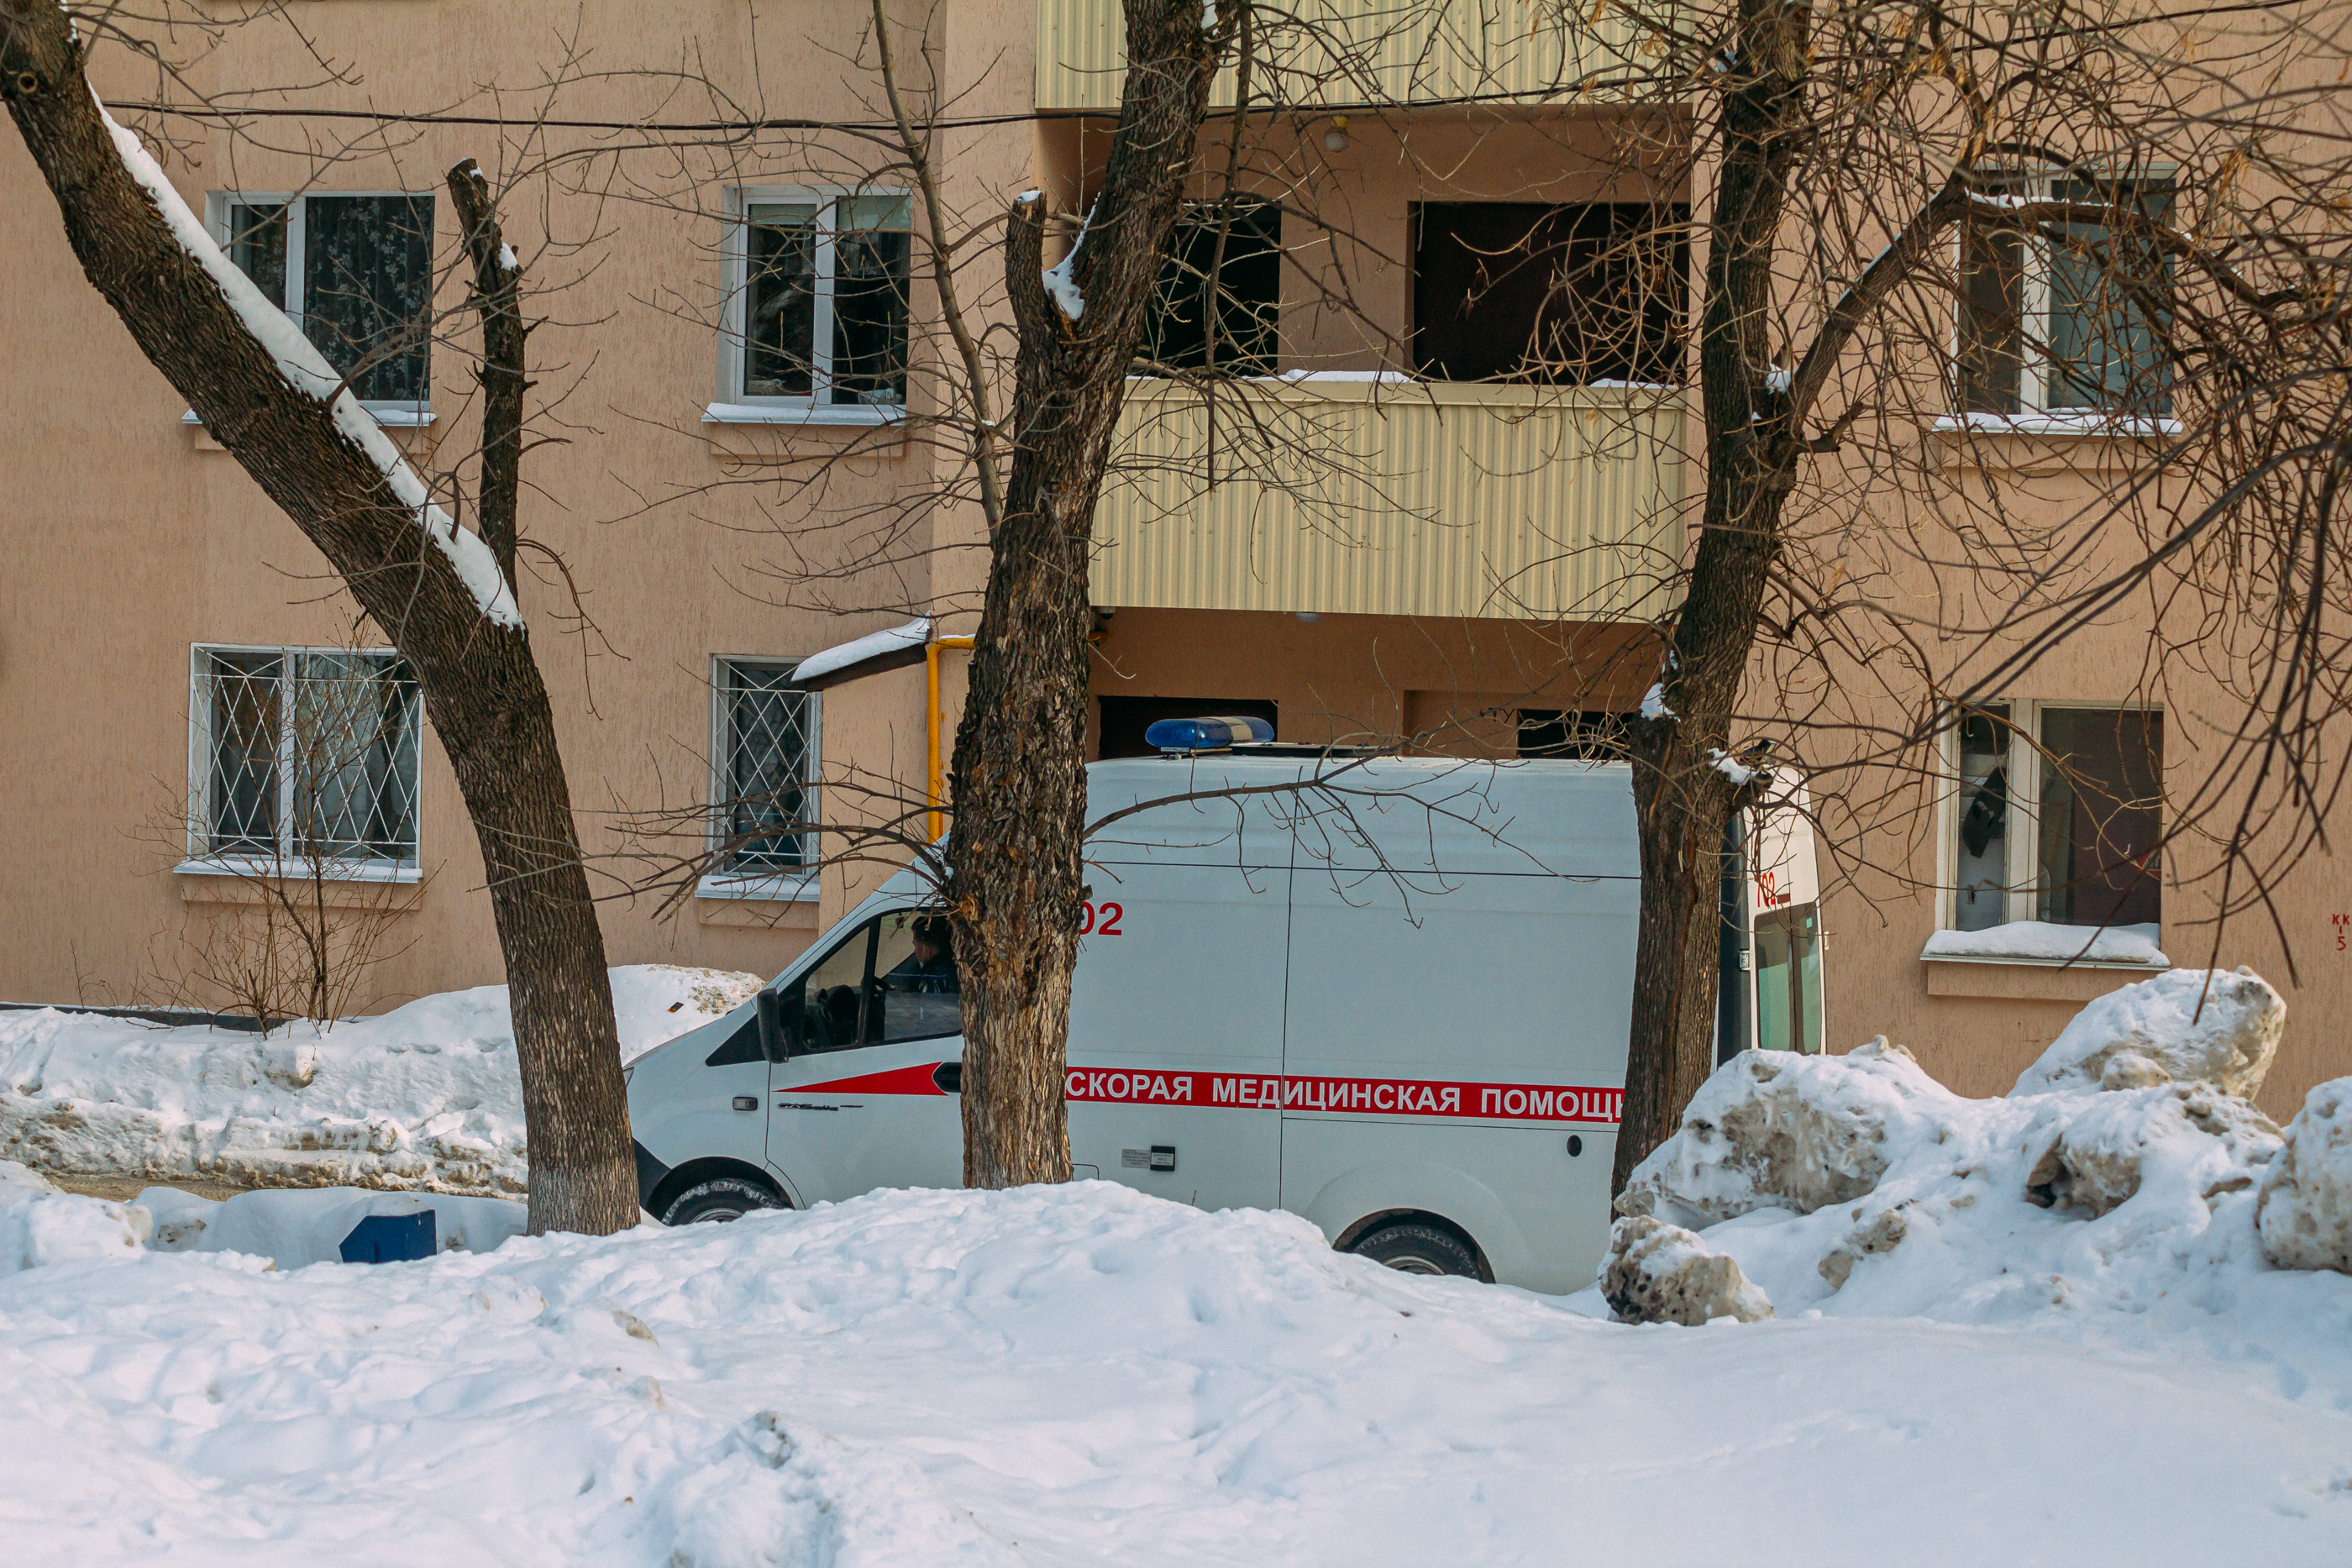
pixel 1394 497
pixel 1336 53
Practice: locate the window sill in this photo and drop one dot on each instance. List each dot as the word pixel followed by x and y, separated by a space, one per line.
pixel 855 416
pixel 797 888
pixel 403 417
pixel 273 871
pixel 2089 426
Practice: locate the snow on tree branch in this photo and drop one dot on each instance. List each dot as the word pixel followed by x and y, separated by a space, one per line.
pixel 307 371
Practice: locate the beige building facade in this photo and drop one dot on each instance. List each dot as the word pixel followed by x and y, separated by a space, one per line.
pixel 739 474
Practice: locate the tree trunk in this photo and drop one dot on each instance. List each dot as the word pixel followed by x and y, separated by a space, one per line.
pixel 1016 879
pixel 481 688
pixel 1683 797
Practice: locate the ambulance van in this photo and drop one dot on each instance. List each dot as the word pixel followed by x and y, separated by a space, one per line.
pixel 1389 995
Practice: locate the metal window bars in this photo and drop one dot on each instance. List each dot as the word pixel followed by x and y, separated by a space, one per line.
pixel 305 757
pixel 766 733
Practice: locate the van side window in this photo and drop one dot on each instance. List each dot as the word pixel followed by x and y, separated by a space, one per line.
pixel 915 966
pixel 740 1047
pixel 837 1008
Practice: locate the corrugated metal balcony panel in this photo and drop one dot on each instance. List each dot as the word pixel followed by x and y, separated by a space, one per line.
pixel 1395 500
pixel 1357 51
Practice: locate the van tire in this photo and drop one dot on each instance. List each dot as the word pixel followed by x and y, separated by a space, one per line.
pixel 1415 1247
pixel 719 1199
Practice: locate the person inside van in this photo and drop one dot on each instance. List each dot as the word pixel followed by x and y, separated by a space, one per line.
pixel 929 970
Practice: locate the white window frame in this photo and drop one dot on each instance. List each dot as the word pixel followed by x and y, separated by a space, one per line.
pixel 217 205
pixel 2034 415
pixel 2023 765
pixel 734 405
pixel 799 885
pixel 202 862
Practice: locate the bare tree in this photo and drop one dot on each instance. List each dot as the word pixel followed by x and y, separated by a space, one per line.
pixel 1870 183
pixel 443 595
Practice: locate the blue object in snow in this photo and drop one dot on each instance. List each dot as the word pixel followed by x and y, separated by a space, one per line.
pixel 390 1239
pixel 1207 734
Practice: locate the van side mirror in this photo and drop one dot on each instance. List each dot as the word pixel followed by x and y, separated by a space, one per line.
pixel 775 1036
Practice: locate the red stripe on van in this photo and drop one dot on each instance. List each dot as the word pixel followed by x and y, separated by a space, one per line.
pixel 1378 1096
pixel 1249 1091
pixel 915 1079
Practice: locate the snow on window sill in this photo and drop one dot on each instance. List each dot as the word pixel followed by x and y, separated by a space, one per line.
pixel 2035 941
pixel 792 887
pixel 2112 426
pixel 297 871
pixel 392 416
pixel 854 414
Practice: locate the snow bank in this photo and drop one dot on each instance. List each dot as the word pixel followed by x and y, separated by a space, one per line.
pixel 41 1225
pixel 1774 1129
pixel 296 1229
pixel 1855 1188
pixel 1084 1376
pixel 2305 1207
pixel 425 1096
pixel 2186 1025
pixel 1659 1273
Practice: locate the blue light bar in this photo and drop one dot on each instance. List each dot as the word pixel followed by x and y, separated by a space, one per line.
pixel 1207 734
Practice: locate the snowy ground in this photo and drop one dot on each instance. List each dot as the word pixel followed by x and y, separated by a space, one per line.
pixel 425 1096
pixel 1088 1376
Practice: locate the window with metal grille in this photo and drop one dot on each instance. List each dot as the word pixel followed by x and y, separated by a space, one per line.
pixel 354 272
pixel 766 772
pixel 817 299
pixel 303 756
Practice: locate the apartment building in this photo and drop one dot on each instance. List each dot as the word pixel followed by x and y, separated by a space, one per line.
pixel 1395 525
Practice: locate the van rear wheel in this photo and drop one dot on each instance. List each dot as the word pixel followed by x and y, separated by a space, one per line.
pixel 1415 1247
pixel 720 1200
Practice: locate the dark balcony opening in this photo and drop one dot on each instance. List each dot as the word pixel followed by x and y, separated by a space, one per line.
pixel 1569 295
pixel 1247 292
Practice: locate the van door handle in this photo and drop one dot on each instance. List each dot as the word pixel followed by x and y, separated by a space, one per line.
pixel 747 1102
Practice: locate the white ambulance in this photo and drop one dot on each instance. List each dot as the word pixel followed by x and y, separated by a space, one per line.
pixel 1395 1000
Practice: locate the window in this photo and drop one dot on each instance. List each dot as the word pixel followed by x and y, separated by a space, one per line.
pixel 1249 291
pixel 817 300
pixel 2058 817
pixel 305 756
pixel 354 272
pixel 1569 295
pixel 765 772
pixel 2062 326
pixel 893 978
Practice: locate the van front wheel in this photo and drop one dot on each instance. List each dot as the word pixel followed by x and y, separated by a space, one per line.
pixel 1417 1249
pixel 719 1199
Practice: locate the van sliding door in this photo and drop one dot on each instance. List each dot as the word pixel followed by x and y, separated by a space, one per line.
pixel 1175 1057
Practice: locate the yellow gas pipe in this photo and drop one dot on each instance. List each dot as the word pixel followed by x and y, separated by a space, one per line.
pixel 934 770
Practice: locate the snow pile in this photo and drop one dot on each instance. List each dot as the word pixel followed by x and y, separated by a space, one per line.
pixel 297 1229
pixel 2305 1207
pixel 1774 1129
pixel 1084 1376
pixel 39 1225
pixel 1660 1273
pixel 2186 1024
pixel 426 1096
pixel 2126 1214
